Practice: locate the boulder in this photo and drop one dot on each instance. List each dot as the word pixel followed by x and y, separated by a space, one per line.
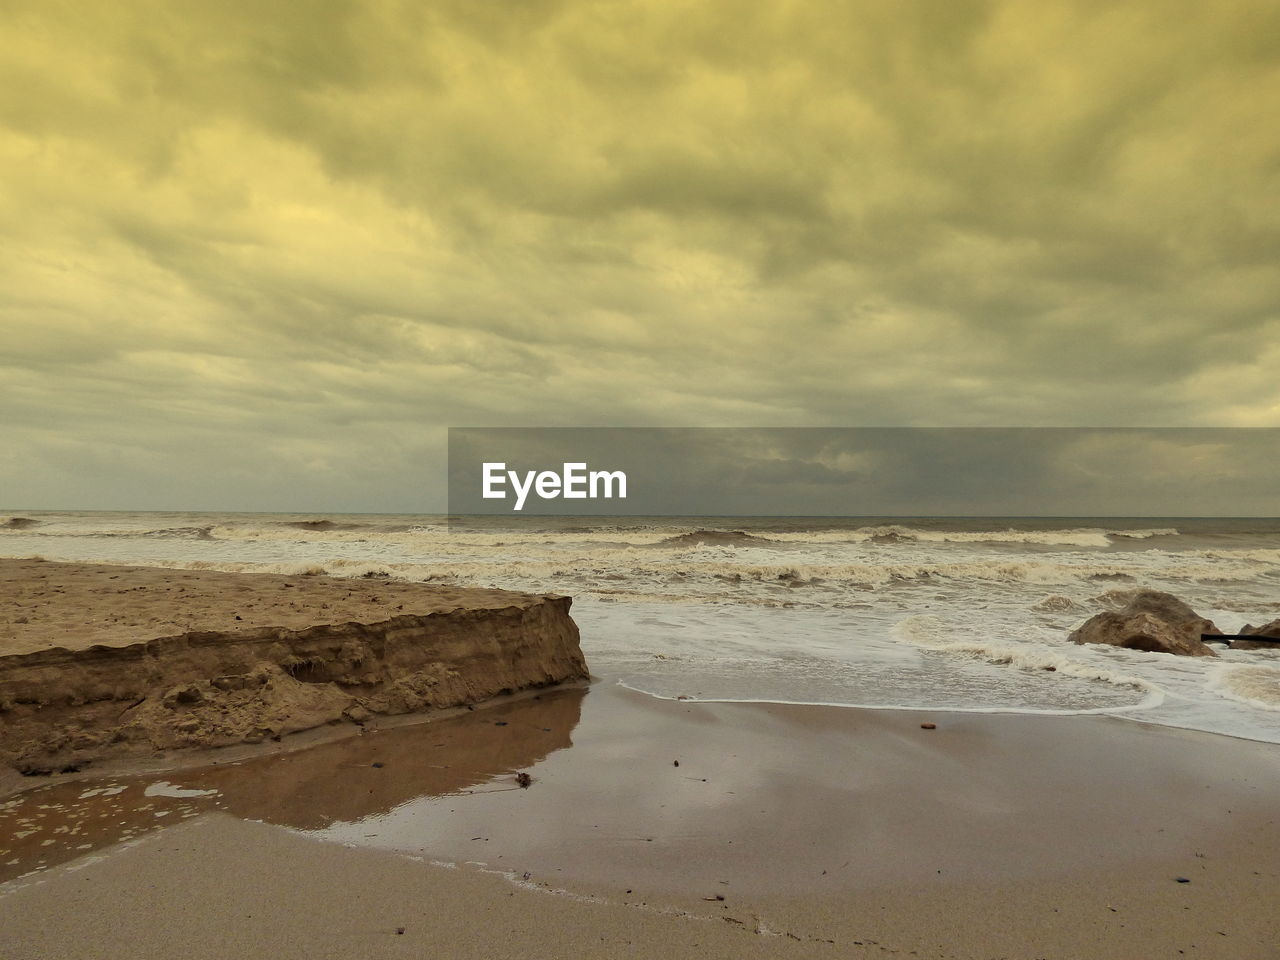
pixel 1149 620
pixel 1163 606
pixel 1271 629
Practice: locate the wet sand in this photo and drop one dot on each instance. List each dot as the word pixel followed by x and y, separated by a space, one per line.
pixel 828 832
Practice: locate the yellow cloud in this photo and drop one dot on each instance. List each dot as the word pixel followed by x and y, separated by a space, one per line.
pixel 567 212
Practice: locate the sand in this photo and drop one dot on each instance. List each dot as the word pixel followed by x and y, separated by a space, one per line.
pixel 828 832
pixel 90 667
pixel 988 836
pixel 74 606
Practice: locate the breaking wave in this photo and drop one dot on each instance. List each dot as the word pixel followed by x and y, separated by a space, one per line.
pixel 713 538
pixel 893 533
pixel 1257 686
pixel 620 572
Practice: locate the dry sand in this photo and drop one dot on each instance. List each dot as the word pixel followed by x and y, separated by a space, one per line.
pixel 76 605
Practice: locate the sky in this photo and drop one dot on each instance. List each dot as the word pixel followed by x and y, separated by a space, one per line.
pixel 260 256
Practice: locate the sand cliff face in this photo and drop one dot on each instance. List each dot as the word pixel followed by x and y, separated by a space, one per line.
pixel 62 708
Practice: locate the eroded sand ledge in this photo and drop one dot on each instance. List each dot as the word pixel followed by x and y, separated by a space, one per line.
pixel 100 661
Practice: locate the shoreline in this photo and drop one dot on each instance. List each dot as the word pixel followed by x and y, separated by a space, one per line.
pixel 1035 837
pixel 594 819
pixel 1109 713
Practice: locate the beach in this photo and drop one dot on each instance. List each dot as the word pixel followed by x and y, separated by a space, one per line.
pixel 963 614
pixel 827 832
pixel 639 479
pixel 574 818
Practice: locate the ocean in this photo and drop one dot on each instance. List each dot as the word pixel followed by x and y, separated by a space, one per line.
pixel 967 614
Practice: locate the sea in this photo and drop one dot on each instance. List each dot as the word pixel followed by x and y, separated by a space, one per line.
pixel 956 614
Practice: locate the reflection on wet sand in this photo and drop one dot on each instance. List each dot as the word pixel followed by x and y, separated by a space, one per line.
pixel 345 780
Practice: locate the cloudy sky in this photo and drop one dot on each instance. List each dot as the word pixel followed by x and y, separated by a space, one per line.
pixel 259 256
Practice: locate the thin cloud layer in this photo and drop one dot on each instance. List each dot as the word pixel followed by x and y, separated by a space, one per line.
pixel 249 253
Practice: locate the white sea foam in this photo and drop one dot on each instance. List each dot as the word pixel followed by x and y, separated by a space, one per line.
pixel 1055 603
pixel 1257 686
pixel 705 564
pixel 930 633
pixel 646 535
pixel 1077 537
